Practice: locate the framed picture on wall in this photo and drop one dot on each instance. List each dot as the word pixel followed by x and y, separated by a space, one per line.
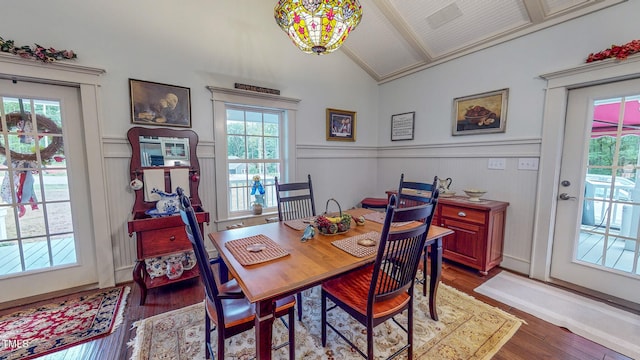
pixel 402 126
pixel 480 113
pixel 341 125
pixel 159 104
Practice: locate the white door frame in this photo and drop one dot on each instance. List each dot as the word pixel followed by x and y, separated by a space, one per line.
pixel 88 79
pixel 558 86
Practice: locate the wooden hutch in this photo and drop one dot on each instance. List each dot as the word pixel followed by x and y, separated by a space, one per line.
pixel 161 236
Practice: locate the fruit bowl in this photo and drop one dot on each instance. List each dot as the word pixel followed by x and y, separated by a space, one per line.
pixel 333 225
pixel 474 194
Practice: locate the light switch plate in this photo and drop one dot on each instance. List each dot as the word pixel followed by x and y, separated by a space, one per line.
pixel 497 163
pixel 528 164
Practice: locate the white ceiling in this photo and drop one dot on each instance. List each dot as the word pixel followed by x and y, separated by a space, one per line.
pixel 398 37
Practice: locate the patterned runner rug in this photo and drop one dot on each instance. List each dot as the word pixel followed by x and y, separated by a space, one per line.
pixel 468 329
pixel 52 327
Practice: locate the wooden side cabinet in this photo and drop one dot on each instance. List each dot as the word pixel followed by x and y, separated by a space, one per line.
pixel 478 231
pixel 159 237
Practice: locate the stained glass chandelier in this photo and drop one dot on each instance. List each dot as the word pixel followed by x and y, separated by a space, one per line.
pixel 318 26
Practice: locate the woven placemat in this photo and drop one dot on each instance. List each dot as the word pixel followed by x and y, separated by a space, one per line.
pixel 378 217
pixel 299 224
pixel 351 245
pixel 245 257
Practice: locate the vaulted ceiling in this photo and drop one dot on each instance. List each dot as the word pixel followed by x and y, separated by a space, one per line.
pixel 398 37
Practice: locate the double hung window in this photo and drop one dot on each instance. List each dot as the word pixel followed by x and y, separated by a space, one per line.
pixel 253 156
pixel 254 144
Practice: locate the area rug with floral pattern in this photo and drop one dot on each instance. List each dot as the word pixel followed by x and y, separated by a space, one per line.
pixel 52 327
pixel 467 329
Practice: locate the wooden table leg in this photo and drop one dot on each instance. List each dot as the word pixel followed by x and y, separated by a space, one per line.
pixel 138 277
pixel 265 314
pixel 223 271
pixel 435 255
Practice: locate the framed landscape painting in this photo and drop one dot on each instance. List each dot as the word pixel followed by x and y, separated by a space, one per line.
pixel 159 104
pixel 341 125
pixel 480 113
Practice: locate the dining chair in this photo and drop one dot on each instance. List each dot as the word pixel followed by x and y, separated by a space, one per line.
pixel 231 313
pixel 380 291
pixel 412 193
pixel 295 201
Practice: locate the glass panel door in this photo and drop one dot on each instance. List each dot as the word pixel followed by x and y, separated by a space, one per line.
pixel 46 239
pixel 611 205
pixel 37 230
pixel 595 242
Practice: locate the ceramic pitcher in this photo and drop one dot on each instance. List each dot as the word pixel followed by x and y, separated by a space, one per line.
pixel 168 203
pixel 444 184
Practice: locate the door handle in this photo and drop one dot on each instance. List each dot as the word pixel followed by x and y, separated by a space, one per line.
pixel 565 196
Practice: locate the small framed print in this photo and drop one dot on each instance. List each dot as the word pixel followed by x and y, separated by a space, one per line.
pixel 159 104
pixel 341 125
pixel 480 113
pixel 402 126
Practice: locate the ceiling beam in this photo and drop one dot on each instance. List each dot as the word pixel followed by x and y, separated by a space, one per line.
pixel 356 59
pixel 535 9
pixel 401 26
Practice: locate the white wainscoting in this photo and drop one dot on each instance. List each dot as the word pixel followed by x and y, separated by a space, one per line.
pixel 467 165
pixel 350 173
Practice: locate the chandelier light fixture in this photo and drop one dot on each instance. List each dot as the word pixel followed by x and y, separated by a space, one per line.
pixel 318 26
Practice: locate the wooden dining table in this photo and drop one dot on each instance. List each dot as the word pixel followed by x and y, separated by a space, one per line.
pixel 306 265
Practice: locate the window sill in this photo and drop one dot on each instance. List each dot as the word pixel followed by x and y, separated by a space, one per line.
pixel 265 214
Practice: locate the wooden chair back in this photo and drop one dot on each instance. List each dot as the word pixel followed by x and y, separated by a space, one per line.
pixel 411 193
pixel 375 293
pixel 295 200
pixel 240 312
pixel 399 252
pixel 206 274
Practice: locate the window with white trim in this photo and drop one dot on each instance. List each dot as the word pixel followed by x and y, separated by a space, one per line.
pixel 253 156
pixel 254 136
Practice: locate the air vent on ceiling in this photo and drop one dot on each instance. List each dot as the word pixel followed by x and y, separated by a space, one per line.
pixel 443 16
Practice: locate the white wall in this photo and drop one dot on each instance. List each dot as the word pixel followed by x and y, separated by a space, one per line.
pixel 516 65
pixel 194 44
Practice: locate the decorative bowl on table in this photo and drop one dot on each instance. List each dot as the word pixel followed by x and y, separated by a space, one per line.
pixel 154 213
pixel 447 193
pixel 474 194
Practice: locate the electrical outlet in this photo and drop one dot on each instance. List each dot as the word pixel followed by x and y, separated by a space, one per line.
pixel 497 163
pixel 528 164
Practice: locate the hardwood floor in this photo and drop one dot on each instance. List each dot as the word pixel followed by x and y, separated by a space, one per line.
pixel 535 340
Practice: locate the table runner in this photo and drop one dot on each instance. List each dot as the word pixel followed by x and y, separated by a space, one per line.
pixel 351 245
pixel 378 217
pixel 299 224
pixel 238 249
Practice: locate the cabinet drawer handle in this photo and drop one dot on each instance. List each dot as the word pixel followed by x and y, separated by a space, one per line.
pixel 172 238
pixel 462 214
